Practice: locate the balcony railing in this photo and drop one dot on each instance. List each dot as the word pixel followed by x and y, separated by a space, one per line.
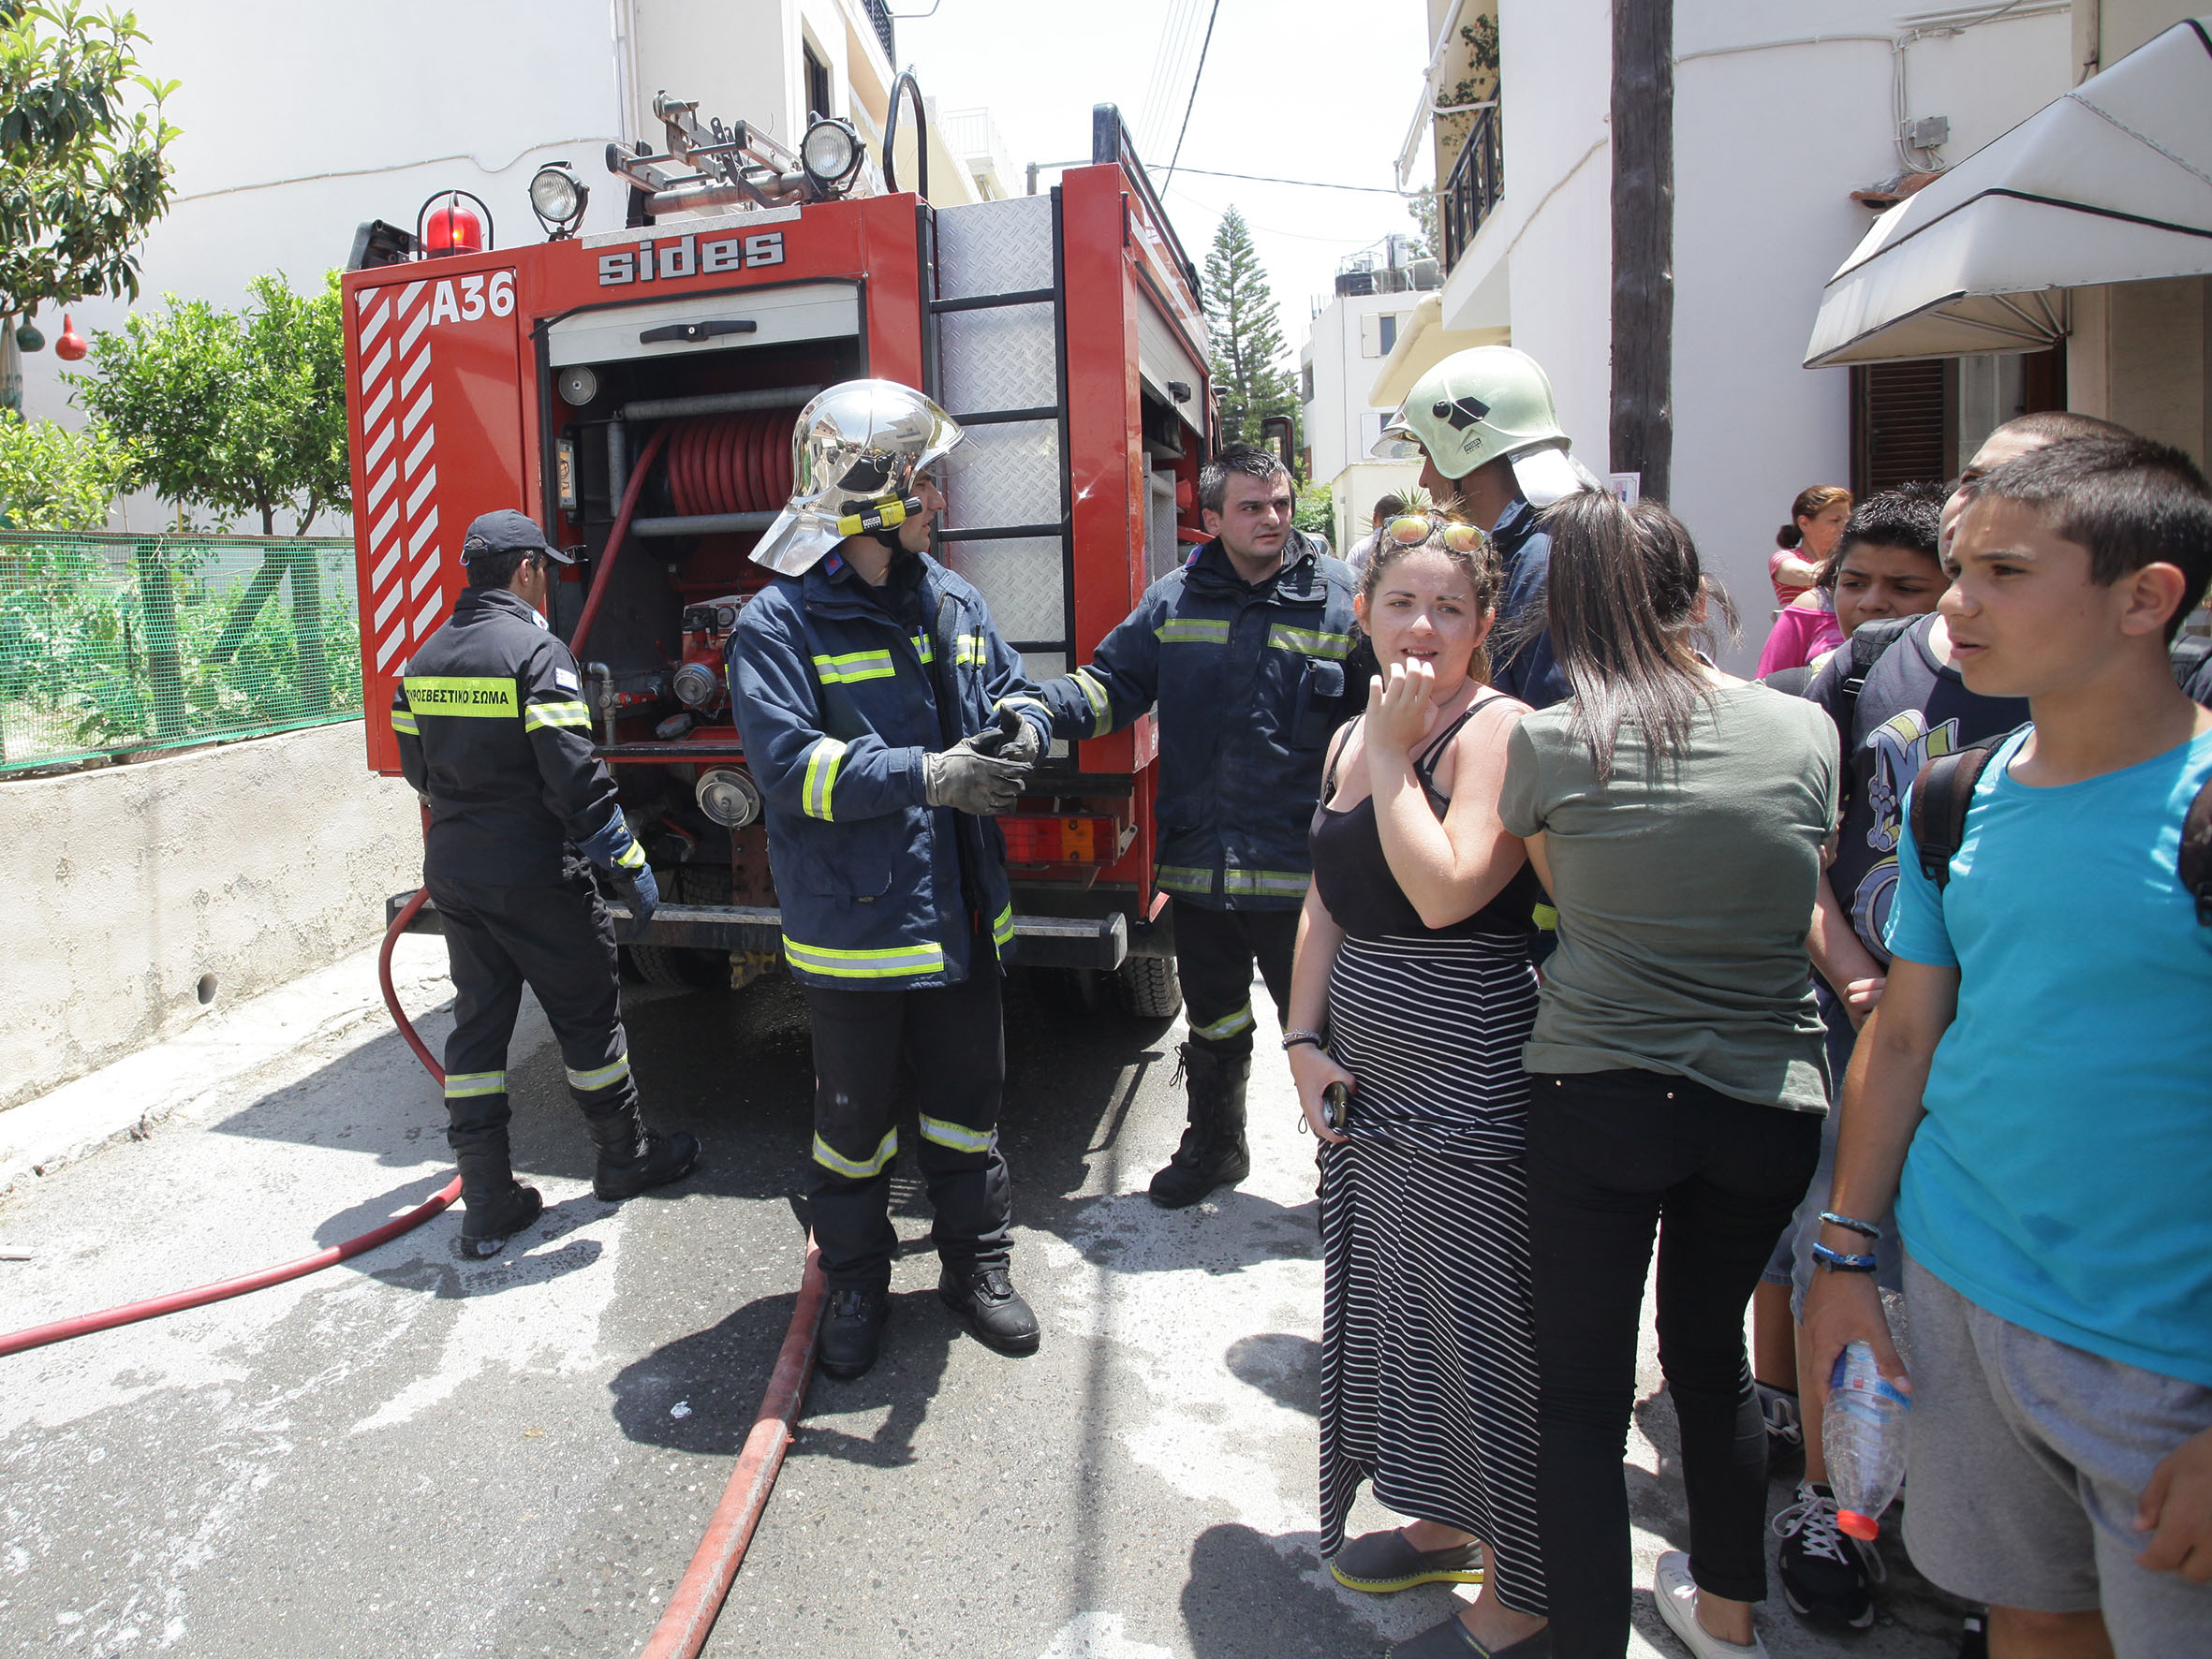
pixel 1473 189
pixel 880 14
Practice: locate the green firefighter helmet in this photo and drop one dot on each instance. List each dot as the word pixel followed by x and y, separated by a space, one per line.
pixel 1482 403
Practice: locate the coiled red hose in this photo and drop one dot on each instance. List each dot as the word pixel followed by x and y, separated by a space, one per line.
pixel 176 1301
pixel 731 463
pixel 621 529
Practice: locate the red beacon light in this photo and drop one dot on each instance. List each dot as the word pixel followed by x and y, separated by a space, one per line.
pixel 447 225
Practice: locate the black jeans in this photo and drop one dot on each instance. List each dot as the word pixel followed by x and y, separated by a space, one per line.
pixel 952 1040
pixel 1613 1155
pixel 1215 951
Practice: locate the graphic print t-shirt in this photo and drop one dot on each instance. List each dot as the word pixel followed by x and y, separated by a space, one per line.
pixel 1912 710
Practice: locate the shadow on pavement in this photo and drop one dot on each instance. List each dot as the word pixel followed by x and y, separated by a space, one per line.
pixel 1246 1599
pixel 1285 1367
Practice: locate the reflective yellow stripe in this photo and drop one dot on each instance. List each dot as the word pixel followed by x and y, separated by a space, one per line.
pixel 829 1158
pixel 814 792
pixel 460 1085
pixel 967 651
pixel 588 1080
pixel 1311 644
pixel 1002 928
pixel 1227 1026
pixel 855 664
pixel 1094 691
pixel 1278 883
pixel 1183 879
pixel 957 1136
pixel 1191 630
pixel 922 648
pixel 536 715
pixel 402 720
pixel 440 693
pixel 888 963
pixel 631 857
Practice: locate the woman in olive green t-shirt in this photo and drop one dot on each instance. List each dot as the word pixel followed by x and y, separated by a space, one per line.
pixel 1677 816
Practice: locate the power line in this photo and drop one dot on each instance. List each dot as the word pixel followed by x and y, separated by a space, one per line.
pixel 1301 184
pixel 1195 79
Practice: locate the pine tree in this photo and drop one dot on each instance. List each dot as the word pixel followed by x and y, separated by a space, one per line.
pixel 1249 376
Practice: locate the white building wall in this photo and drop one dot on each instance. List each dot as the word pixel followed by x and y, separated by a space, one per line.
pixel 1344 348
pixel 1770 140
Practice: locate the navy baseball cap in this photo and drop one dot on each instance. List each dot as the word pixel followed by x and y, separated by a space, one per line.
pixel 509 532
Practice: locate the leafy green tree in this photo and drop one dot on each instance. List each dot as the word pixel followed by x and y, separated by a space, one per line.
pixel 81 175
pixel 238 411
pixel 53 478
pixel 1250 375
pixel 1316 513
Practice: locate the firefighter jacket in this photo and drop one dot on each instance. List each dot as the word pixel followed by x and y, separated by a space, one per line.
pixel 493 730
pixel 1250 682
pixel 839 690
pixel 1522 661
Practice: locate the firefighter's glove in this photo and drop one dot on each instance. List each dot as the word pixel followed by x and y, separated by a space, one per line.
pixel 641 893
pixel 971 781
pixel 612 847
pixel 1013 739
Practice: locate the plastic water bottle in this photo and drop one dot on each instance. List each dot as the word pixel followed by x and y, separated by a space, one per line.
pixel 1862 1431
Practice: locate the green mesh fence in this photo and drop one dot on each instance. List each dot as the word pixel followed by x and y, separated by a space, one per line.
pixel 113 643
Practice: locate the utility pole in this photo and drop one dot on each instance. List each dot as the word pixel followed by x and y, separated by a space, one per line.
pixel 1643 423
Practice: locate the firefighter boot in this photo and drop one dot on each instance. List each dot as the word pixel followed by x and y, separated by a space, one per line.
pixel 853 1329
pixel 633 1158
pixel 983 1299
pixel 1213 1153
pixel 498 1206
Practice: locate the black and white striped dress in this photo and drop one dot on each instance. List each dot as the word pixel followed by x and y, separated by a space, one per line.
pixel 1429 1363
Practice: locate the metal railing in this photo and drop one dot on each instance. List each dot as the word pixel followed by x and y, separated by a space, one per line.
pixel 879 15
pixel 111 644
pixel 1473 186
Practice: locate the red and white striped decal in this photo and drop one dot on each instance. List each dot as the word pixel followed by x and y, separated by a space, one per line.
pixel 398 436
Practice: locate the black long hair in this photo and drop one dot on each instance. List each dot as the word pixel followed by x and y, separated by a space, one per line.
pixel 1624 601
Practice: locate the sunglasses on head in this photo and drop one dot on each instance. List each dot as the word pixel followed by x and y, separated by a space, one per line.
pixel 1415 528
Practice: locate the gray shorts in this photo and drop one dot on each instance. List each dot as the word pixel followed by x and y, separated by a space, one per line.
pixel 2027 1457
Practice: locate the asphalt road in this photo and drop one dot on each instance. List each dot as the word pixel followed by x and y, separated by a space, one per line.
pixel 409 1455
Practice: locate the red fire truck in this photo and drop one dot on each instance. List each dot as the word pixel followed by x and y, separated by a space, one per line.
pixel 636 391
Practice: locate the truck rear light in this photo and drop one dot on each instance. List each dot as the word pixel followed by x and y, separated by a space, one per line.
pixel 1061 840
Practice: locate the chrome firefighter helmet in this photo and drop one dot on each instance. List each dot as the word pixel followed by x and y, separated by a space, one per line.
pixel 1479 405
pixel 859 454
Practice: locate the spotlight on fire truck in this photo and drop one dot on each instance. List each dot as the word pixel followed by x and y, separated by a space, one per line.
pixel 557 196
pixel 831 155
pixel 446 225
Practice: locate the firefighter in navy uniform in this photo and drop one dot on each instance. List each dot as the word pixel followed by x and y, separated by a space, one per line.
pixel 1243 650
pixel 886 723
pixel 493 733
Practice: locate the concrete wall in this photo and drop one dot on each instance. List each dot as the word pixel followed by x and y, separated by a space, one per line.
pixel 1344 349
pixel 254 862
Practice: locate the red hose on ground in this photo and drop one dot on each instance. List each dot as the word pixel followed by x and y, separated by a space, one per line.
pixel 38 1336
pixel 621 529
pixel 692 1610
pixel 698 1601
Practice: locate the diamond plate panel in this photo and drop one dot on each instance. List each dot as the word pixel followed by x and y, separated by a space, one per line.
pixel 1021 581
pixel 994 248
pixel 1002 359
pixel 1042 665
pixel 1011 476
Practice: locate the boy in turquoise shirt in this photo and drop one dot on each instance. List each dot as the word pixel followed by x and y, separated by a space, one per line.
pixel 2035 1089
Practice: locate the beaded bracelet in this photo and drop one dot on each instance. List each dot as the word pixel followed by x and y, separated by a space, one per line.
pixel 1847 1225
pixel 1291 1039
pixel 1837 1261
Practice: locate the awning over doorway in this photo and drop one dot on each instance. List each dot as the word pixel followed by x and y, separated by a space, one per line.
pixel 2111 182
pixel 1424 342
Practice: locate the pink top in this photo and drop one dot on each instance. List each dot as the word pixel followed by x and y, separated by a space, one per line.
pixel 1802 632
pixel 1785 592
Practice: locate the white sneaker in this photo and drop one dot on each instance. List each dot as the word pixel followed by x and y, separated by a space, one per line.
pixel 1677 1594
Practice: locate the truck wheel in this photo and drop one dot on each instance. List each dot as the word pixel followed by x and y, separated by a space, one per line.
pixel 680 967
pixel 1148 988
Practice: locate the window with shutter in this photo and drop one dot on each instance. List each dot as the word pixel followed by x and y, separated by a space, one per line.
pixel 1904 425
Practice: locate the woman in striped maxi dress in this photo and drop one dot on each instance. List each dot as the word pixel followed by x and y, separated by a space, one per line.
pixel 1413 960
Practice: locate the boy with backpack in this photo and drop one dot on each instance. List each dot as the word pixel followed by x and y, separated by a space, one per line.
pixel 2034 1089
